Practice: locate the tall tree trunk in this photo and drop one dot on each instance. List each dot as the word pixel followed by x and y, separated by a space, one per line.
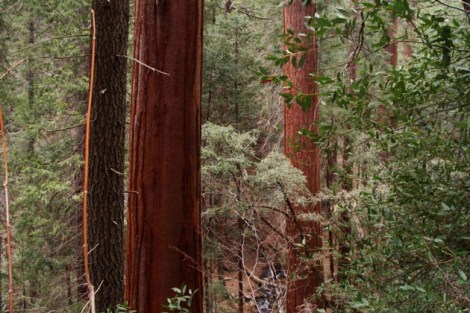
pixel 306 159
pixel 164 226
pixel 106 184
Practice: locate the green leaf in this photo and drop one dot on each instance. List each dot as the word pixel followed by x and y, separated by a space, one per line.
pixel 462 275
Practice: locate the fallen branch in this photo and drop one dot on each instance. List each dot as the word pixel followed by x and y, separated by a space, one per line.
pixel 10 7
pixel 12 68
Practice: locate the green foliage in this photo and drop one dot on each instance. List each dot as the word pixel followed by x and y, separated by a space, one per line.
pixel 182 300
pixel 405 129
pixel 44 96
pixel 232 51
pixel 121 308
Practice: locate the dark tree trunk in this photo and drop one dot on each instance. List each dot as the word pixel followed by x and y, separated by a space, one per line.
pixel 306 159
pixel 164 231
pixel 106 184
pixel 466 7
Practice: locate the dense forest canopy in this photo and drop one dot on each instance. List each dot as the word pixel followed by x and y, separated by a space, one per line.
pixel 242 156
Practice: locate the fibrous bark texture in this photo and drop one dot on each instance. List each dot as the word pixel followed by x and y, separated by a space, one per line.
pixel 106 184
pixel 164 233
pixel 305 156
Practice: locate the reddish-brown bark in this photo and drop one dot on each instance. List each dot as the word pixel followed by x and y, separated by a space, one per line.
pixel 164 234
pixel 392 47
pixel 385 117
pixel 407 48
pixel 306 158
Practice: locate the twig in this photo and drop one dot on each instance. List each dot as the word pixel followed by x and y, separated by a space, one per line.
pixel 143 64
pixel 247 12
pixel 66 128
pixel 91 292
pixel 12 68
pixel 54 57
pixel 452 7
pixel 7 217
pixel 360 44
pixel 10 7
pixel 48 40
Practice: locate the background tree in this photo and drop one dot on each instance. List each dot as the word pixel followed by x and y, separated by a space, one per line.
pixel 42 148
pixel 305 279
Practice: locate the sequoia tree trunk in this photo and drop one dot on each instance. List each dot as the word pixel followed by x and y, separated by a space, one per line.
pixel 164 225
pixel 306 158
pixel 106 183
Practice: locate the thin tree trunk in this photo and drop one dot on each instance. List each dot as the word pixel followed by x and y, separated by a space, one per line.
pixel 68 283
pixel 24 302
pixel 347 184
pixel 106 182
pixel 328 235
pixel 237 103
pixel 241 268
pixel 306 159
pixel 30 74
pixel 385 117
pixel 1 267
pixel 164 226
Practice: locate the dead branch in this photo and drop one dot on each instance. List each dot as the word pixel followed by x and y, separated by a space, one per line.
pixel 7 218
pixel 91 292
